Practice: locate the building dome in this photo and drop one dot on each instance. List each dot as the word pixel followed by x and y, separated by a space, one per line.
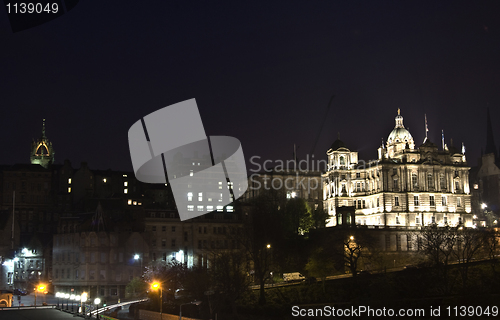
pixel 399 133
pixel 337 144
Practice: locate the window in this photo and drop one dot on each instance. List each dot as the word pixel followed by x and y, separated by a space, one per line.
pixel 358 175
pixel 230 208
pixel 430 183
pixel 445 220
pixel 200 196
pixel 457 186
pixel 199 208
pixel 173 228
pixel 342 161
pixel 417 220
pixel 414 180
pixel 358 187
pixel 125 184
pixel 153 228
pixel 129 202
pixel 69 180
pixel 163 228
pixel 459 202
pixel 69 189
pixel 210 208
pixel 394 171
pixel 397 220
pixel 173 243
pixel 125 190
pixel 431 201
pixel 185 236
pixel 396 201
pixel 102 274
pixel 164 256
pixel 378 202
pixel 415 200
pixel 220 208
pixel 395 186
pixel 433 219
pixel 190 207
pixel 200 244
pixel 190 196
pixel 163 242
pixel 476 186
pixel 443 200
pixel 442 182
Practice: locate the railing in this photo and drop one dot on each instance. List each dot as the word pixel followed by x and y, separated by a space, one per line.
pixel 27 307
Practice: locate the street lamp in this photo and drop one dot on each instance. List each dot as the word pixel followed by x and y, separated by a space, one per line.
pixel 97 301
pixel 72 298
pixel 66 296
pixel 57 296
pixel 197 303
pixel 137 257
pixel 83 299
pixel 41 288
pixel 155 286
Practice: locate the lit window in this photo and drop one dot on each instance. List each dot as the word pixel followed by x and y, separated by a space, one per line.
pixel 125 190
pixel 200 208
pixel 443 200
pixel 476 186
pixel 69 189
pixel 190 207
pixel 459 202
pixel 396 201
pixel 104 180
pixel 69 180
pixel 209 199
pixel 125 184
pixel 220 208
pixel 139 203
pixel 431 201
pixel 191 173
pixel 190 196
pixel 210 208
pixel 124 175
pixel 229 208
pixel 129 202
pixel 220 184
pixel 135 203
pixel 220 199
pixel 200 196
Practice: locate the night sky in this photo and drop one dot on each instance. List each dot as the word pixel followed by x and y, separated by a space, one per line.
pixel 262 72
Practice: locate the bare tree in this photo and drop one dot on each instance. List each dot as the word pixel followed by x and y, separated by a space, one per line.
pixel 468 243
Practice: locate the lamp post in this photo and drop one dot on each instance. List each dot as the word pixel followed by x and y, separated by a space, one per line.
pixel 41 288
pixel 138 257
pixel 72 298
pixel 197 303
pixel 57 296
pixel 155 286
pixel 83 299
pixel 66 296
pixel 97 301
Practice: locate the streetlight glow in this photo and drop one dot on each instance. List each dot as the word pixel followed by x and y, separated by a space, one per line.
pixel 136 257
pixel 97 301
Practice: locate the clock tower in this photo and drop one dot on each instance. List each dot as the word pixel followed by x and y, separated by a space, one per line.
pixel 42 152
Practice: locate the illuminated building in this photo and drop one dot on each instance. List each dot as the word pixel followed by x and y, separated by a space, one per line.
pixel 42 152
pixel 405 187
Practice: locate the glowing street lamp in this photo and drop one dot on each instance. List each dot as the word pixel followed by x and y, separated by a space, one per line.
pixel 83 299
pixel 97 301
pixel 39 288
pixel 155 286
pixel 483 205
pixel 137 257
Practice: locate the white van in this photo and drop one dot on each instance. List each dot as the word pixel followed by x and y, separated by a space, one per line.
pixel 294 276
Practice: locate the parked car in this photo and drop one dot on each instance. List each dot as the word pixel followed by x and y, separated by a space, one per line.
pixel 19 292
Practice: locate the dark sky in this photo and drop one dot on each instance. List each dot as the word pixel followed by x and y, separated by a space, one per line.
pixel 261 71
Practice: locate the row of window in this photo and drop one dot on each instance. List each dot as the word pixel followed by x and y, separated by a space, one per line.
pixel 218 244
pixel 432 201
pixel 200 208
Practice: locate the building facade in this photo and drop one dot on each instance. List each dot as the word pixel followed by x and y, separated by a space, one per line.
pixel 405 187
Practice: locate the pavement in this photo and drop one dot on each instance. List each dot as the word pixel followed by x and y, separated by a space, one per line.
pixel 35 314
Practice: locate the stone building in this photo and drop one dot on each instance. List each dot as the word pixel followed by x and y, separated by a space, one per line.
pixel 405 187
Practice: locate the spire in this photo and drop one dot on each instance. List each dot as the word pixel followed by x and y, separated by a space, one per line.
pixel 463 148
pixel 490 142
pixel 442 139
pixel 426 128
pixel 43 128
pixel 399 120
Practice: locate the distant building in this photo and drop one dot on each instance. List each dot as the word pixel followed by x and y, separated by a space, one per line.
pixel 405 187
pixel 485 180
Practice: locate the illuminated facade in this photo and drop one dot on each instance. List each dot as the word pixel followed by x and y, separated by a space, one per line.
pixel 405 187
pixel 42 152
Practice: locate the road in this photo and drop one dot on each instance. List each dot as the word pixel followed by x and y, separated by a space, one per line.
pixel 38 314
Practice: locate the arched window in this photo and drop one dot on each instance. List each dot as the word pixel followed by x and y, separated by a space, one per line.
pixel 430 182
pixel 414 180
pixel 342 161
